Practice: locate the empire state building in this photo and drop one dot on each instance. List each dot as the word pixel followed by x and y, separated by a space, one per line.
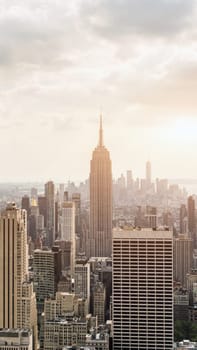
pixel 100 235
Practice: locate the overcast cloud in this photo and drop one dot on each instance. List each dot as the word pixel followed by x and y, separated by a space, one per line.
pixel 62 62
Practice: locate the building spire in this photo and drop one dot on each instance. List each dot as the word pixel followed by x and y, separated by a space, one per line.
pixel 101 131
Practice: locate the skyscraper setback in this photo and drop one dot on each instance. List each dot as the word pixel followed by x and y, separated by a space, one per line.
pixel 100 235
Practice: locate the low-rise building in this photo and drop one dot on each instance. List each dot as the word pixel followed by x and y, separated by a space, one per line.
pixel 16 339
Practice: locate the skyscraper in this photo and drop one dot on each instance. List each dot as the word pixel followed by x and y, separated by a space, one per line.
pixel 100 236
pixel 99 302
pixel 82 279
pixel 68 229
pixel 142 289
pixel 50 212
pixel 183 219
pixel 182 258
pixel 17 299
pixel 76 198
pixel 44 276
pixel 13 264
pixel 148 173
pixel 191 218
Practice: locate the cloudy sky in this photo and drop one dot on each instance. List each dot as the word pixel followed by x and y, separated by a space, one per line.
pixel 62 62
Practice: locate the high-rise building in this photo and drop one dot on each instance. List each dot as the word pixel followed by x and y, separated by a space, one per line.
pixel 50 212
pixel 25 204
pixel 17 299
pixel 68 221
pixel 76 198
pixel 57 210
pixel 151 216
pixel 33 218
pixel 148 173
pixel 129 180
pixel 42 204
pixel 161 186
pixel 61 193
pixel 182 258
pixel 68 229
pixel 100 236
pixel 183 219
pixel 99 302
pixel 142 289
pixel 44 276
pixel 65 247
pixel 13 264
pixel 34 193
pixel 82 280
pixel 191 218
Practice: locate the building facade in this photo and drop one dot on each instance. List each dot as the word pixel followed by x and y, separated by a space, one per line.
pixel 50 212
pixel 182 258
pixel 17 299
pixel 16 339
pixel 142 289
pixel 100 235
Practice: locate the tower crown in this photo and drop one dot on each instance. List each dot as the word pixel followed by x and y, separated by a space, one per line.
pixel 101 132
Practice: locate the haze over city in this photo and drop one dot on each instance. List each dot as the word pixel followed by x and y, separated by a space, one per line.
pixel 62 63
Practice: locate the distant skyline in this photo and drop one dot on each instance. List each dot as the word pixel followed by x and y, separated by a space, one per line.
pixel 61 63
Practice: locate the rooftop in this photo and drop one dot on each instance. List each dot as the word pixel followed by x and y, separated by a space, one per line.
pixel 142 233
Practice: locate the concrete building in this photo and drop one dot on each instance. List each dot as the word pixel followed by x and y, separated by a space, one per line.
pixel 63 324
pixel 76 199
pixel 181 304
pixel 16 339
pixel 68 229
pixel 100 235
pixel 82 280
pixel 50 212
pixel 44 276
pixel 191 212
pixel 79 348
pixel 17 299
pixel 42 204
pixel 68 221
pixel 13 264
pixel 99 341
pixel 182 258
pixel 99 302
pixel 65 247
pixel 61 332
pixel 142 289
pixel 151 216
pixel 183 219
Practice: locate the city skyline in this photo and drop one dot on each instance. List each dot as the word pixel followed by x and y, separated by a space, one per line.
pixel 98 184
pixel 62 63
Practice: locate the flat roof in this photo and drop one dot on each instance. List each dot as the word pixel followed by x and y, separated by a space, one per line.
pixel 142 233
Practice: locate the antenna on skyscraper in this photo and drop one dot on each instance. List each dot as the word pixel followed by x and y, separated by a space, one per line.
pixel 101 131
